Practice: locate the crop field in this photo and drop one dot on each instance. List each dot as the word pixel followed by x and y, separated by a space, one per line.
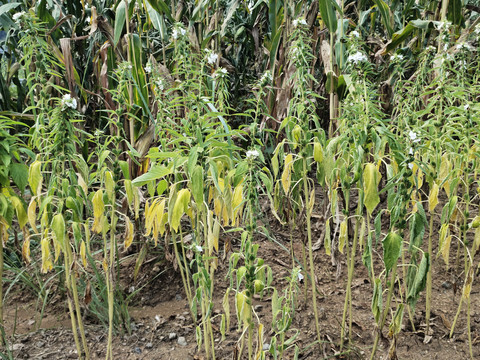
pixel 239 179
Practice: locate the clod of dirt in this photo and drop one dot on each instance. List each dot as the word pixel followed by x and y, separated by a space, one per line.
pixel 181 341
pixel 172 336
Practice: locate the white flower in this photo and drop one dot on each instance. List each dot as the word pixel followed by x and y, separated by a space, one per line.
pixel 160 84
pixel 410 166
pixel 198 248
pixel 357 58
pixel 443 25
pixel 148 68
pixel 466 107
pixel 300 21
pixel 68 101
pixel 18 15
pixel 175 34
pixel 465 46
pixel 355 33
pixel 221 72
pixel 299 276
pixel 266 77
pixel 250 6
pixel 252 154
pixel 183 31
pixel 413 136
pixel 397 57
pixel 211 57
pixel 410 151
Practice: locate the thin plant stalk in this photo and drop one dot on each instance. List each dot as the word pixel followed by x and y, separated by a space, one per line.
pixel 428 299
pixel 76 301
pixel 385 311
pixel 310 248
pixel 1 274
pixel 110 287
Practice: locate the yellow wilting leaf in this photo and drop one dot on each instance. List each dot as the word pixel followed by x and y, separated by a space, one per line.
pixel 327 241
pixel 35 177
pixel 32 215
pixel 110 186
pixel 476 241
pixel 433 197
pixel 98 211
pixel 226 307
pixel 4 234
pixel 342 239
pixel 26 248
pixel 216 234
pixel 128 191
pixel 317 152
pixel 136 202
pixel 467 287
pixel 129 233
pixel 181 204
pixel 19 210
pixel 243 309
pixel 443 235
pixel 287 173
pixel 333 200
pixel 237 203
pixel 82 183
pixel 371 178
pixel 46 257
pixel 446 249
pixel 149 216
pixel 58 227
pixel 83 254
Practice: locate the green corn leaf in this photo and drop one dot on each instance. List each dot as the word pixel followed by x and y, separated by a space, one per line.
pixel 119 22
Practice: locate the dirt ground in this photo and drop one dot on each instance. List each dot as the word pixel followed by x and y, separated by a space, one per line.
pixel 160 316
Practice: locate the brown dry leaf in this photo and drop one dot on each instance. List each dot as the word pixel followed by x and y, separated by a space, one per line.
pixel 87 299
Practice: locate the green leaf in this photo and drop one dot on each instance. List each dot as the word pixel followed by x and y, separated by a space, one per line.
pixel 197 185
pixel 119 22
pixel 417 228
pixel 377 300
pixel 156 172
pixel 19 174
pixel 420 280
pixel 392 246
pixel 327 12
pixel 7 7
pixel 386 15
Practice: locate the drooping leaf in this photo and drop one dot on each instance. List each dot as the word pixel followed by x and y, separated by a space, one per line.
pixel 377 300
pixel 392 245
pixel 371 178
pixel 58 227
pixel 19 174
pixel 287 173
pixel 420 280
pixel 180 207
